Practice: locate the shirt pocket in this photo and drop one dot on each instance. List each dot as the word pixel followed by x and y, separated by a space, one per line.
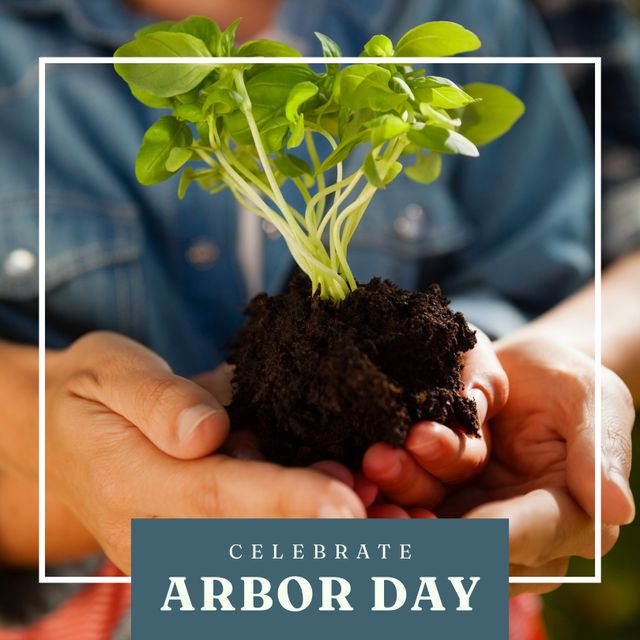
pixel 93 271
pixel 409 232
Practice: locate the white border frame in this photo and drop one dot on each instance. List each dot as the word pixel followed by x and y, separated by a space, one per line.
pixel 42 65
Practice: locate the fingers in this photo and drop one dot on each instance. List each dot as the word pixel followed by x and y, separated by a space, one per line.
pixel 177 415
pixel 366 490
pixel 448 455
pixel 618 416
pixel 220 486
pixel 482 371
pixel 387 511
pixel 401 478
pixel 335 470
pixel 617 422
pixel 544 525
pixel 423 514
pixel 434 454
pixel 393 511
pixel 153 484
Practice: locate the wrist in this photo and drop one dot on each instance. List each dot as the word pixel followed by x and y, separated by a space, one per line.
pixel 19 408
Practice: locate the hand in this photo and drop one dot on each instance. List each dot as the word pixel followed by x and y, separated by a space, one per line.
pixel 541 471
pixel 128 438
pixel 433 456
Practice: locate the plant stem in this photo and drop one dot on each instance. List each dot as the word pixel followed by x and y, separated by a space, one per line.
pixel 262 154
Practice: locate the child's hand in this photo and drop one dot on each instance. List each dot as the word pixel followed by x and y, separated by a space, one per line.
pixel 128 438
pixel 434 455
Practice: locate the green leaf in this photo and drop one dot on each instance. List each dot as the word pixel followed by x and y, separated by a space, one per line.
pixel 357 81
pixel 371 168
pixel 442 140
pixel 185 180
pixel 382 99
pixel 371 173
pixel 177 158
pixel 268 49
pixel 386 128
pixel 164 25
pixel 202 28
pixel 330 48
pixel 435 39
pixel 297 96
pixel 222 100
pixel 394 171
pixel 400 82
pixel 273 133
pixel 189 112
pixel 160 139
pixel 188 97
pixel 164 80
pixel 438 117
pixel 208 179
pixel 268 90
pixel 379 47
pixel 426 169
pixel 342 151
pixel 297 133
pixel 203 130
pixel 292 166
pixel 228 39
pixel 497 111
pixel 150 100
pixel 441 92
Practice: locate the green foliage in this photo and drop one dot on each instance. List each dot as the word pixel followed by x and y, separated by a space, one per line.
pixel 160 141
pixel 493 113
pixel 251 127
pixel 165 80
pixel 435 39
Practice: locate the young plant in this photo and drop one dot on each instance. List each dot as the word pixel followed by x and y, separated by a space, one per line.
pixel 252 127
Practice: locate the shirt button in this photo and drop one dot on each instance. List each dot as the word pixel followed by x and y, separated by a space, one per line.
pixel 270 230
pixel 410 225
pixel 19 265
pixel 202 254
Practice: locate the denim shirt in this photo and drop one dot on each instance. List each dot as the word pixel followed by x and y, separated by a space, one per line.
pixel 507 235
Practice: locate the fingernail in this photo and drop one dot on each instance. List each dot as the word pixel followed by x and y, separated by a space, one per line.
pixel 622 483
pixel 190 419
pixel 345 505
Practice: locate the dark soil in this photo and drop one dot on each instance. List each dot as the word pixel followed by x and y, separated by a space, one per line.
pixel 317 381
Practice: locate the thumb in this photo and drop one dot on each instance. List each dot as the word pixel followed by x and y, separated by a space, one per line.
pixel 176 415
pixel 617 422
pixel 484 379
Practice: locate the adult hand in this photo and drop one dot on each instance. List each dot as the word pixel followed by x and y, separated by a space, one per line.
pixel 541 471
pixel 433 456
pixel 128 438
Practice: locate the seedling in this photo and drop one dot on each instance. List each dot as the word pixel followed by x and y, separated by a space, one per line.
pixel 252 127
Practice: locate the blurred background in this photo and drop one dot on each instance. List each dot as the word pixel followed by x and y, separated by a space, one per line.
pixel 607 610
pixel 608 29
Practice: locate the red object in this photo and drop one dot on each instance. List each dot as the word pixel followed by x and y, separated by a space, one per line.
pixel 93 614
pixel 525 618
